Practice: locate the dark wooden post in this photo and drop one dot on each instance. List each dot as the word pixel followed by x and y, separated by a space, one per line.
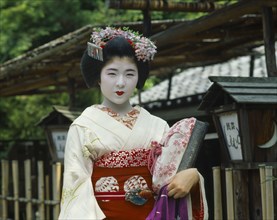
pixel 71 92
pixel 146 31
pixel 169 85
pixel 252 64
pixel 269 41
pixel 241 193
pixel 147 20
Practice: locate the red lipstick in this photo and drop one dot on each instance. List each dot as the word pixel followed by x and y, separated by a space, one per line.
pixel 119 93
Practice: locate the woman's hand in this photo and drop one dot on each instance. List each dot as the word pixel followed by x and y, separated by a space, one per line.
pixel 183 182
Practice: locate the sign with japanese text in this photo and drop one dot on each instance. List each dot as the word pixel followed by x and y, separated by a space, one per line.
pixel 59 139
pixel 230 127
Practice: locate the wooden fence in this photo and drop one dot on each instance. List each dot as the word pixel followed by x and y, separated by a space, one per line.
pixel 234 201
pixel 30 190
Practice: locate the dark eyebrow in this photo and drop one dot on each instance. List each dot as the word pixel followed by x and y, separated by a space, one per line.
pixel 133 70
pixel 127 70
pixel 114 69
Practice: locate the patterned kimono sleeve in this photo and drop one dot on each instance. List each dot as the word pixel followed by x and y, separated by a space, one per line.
pixel 174 145
pixel 78 201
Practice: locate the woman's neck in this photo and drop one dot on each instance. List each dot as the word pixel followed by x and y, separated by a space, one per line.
pixel 121 109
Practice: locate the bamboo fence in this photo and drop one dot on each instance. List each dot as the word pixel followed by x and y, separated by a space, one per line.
pixel 34 197
pixel 267 193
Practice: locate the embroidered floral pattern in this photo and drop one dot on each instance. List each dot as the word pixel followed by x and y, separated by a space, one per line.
pixel 68 194
pixel 175 144
pixel 86 153
pixel 135 182
pixel 137 191
pixel 128 120
pixel 156 151
pixel 107 184
pixel 89 142
pixel 133 158
pixel 167 170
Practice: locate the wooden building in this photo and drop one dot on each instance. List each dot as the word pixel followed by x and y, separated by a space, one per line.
pixel 56 125
pixel 226 29
pixel 244 111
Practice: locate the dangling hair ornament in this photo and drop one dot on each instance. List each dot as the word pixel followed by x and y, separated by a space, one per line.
pixel 144 48
pixel 94 51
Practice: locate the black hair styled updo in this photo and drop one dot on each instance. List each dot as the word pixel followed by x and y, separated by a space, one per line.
pixel 117 47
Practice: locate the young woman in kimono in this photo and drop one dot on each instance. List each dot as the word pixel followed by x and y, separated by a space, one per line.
pixel 106 166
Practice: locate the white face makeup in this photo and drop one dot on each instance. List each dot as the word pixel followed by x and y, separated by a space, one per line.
pixel 118 81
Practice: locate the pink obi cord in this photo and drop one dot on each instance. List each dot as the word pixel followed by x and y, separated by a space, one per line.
pixel 110 195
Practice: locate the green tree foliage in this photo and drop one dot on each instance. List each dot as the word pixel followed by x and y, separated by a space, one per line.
pixel 26 24
pixel 20 115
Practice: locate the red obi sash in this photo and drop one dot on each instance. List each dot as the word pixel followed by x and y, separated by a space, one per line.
pixel 112 182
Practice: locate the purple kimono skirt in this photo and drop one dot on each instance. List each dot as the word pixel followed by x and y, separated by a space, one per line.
pixel 168 208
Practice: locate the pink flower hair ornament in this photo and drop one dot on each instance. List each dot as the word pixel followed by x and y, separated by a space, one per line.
pixel 144 48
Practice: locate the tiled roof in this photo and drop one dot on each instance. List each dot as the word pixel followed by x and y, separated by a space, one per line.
pixel 194 81
pixel 241 90
pixel 70 114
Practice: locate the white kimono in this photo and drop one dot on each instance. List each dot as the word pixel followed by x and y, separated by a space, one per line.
pixel 90 136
